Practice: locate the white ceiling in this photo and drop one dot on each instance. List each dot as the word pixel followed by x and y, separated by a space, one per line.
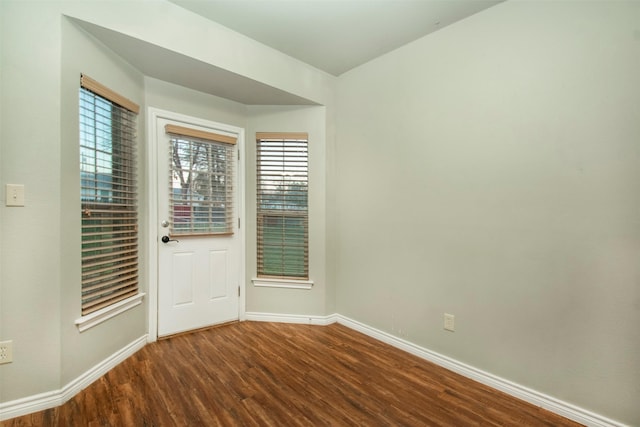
pixel 173 67
pixel 332 35
pixel 335 35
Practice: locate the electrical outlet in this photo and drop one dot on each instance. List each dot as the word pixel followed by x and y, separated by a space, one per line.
pixel 6 352
pixel 449 322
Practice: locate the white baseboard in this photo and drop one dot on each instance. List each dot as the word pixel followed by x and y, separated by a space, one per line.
pixel 292 318
pixel 552 404
pixel 51 399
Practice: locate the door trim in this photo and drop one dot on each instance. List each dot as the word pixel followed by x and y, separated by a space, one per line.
pixel 153 115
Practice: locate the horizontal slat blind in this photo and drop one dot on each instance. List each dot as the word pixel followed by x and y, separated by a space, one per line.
pixel 109 198
pixel 201 182
pixel 282 205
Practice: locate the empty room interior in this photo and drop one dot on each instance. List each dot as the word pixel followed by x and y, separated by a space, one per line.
pixel 463 189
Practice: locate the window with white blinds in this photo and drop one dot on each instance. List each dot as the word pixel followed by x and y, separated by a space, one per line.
pixel 282 205
pixel 108 195
pixel 201 184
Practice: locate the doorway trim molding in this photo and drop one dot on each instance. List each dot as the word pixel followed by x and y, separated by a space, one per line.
pixel 153 115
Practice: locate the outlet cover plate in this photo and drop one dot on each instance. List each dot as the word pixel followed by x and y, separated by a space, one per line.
pixel 449 322
pixel 6 352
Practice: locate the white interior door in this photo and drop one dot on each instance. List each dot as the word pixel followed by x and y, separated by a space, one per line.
pixel 198 240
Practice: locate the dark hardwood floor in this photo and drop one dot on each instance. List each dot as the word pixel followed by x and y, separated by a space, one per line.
pixel 273 374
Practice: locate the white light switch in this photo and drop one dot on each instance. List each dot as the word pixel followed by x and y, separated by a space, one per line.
pixel 15 195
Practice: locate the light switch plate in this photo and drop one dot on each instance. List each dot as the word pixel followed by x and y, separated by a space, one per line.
pixel 15 195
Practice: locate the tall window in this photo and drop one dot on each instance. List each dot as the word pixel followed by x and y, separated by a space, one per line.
pixel 108 195
pixel 283 223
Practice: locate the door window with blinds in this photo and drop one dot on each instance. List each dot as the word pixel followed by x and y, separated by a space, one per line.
pixel 108 193
pixel 201 183
pixel 282 205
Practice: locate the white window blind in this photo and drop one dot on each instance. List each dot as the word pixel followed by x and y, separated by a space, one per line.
pixel 201 186
pixel 108 196
pixel 282 205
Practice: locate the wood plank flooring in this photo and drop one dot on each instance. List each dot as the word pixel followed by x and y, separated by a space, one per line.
pixel 274 374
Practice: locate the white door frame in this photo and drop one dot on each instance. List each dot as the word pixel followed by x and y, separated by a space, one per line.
pixel 153 114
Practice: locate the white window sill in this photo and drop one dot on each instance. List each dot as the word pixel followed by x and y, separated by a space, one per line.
pixel 97 317
pixel 282 283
